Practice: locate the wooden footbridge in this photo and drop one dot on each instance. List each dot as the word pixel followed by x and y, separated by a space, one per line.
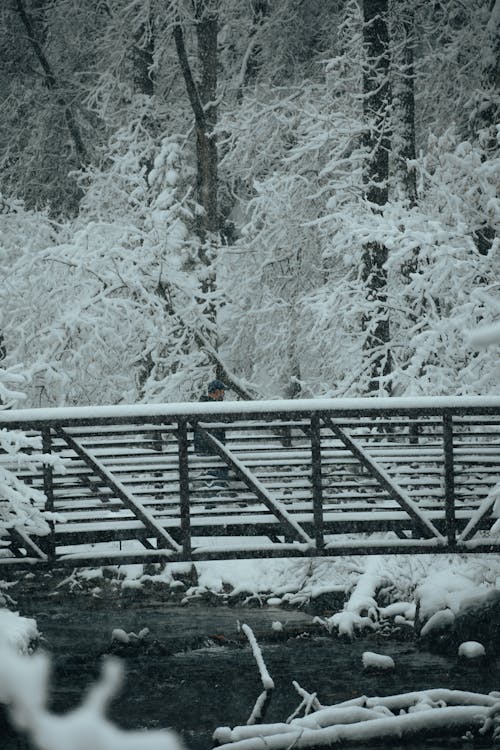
pixel 305 478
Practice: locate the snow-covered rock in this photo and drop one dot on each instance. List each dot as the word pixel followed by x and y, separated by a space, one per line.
pixel 16 632
pixel 438 622
pixel 371 660
pixel 120 635
pixel 471 650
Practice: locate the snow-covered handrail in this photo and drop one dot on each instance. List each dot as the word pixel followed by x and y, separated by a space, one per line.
pixel 334 407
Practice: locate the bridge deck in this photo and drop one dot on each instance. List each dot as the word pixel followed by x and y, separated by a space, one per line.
pixel 326 480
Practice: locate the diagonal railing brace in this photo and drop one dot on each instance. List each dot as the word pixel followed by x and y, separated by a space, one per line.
pixel 290 526
pixel 120 491
pixel 480 514
pixel 19 536
pixel 397 493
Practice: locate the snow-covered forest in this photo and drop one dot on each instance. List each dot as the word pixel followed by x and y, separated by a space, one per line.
pixel 299 197
pixel 296 196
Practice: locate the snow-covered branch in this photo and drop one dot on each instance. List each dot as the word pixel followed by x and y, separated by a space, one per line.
pixel 24 686
pixel 267 681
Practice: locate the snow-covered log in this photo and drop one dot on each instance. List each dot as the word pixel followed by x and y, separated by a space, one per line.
pixel 438 711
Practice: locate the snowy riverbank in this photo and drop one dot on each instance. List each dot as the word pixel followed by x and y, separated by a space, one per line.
pixel 429 593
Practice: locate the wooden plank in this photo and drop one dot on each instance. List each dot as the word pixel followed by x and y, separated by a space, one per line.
pixel 120 491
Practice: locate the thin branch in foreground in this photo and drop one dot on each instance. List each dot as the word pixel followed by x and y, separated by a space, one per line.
pixel 262 702
pixel 309 702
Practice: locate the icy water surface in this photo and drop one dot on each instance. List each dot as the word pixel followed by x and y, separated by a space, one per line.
pixel 195 672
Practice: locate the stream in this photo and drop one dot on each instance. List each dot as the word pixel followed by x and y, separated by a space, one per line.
pixel 195 671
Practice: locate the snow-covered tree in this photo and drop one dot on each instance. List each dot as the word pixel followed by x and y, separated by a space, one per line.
pixel 21 506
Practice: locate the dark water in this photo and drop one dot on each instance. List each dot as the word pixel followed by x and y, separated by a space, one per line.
pixel 181 677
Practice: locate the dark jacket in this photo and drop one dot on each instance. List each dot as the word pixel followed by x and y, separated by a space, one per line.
pixel 201 444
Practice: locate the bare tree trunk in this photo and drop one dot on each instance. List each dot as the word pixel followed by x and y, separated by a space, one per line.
pixel 143 52
pixel 202 98
pixel 203 103
pixel 403 100
pixel 206 140
pixel 377 143
pixel 52 83
pixel 403 123
pixel 488 113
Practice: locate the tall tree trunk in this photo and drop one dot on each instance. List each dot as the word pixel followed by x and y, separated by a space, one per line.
pixel 376 175
pixel 488 114
pixel 206 141
pixel 143 51
pixel 403 100
pixel 202 98
pixel 403 123
pixel 203 103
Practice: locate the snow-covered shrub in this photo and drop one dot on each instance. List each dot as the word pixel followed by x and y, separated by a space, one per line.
pixel 21 505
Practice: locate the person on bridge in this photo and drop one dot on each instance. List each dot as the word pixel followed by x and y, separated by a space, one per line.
pixel 215 392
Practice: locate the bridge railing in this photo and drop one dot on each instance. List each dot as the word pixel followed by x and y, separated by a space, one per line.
pixel 319 477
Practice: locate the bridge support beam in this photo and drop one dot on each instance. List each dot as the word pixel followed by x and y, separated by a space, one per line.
pixel 317 480
pixel 291 528
pixel 182 440
pixel 48 489
pixel 449 480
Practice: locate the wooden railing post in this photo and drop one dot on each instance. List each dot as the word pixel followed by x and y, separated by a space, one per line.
pixel 48 489
pixel 317 483
pixel 182 442
pixel 449 479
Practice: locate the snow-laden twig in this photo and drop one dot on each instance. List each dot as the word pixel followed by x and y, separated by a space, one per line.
pixel 492 721
pixel 264 698
pixel 267 680
pixel 259 709
pixel 309 702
